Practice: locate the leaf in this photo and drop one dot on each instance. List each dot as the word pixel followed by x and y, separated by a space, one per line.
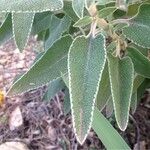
pixel 141 63
pixel 103 13
pixel 134 102
pixel 13 146
pixel 53 88
pixel 107 134
pixel 30 6
pixel 104 91
pixel 138 30
pixel 22 24
pixel 109 107
pixel 6 30
pixel 88 3
pixel 83 22
pixel 121 73
pixel 49 67
pixel 41 22
pixel 57 28
pixel 78 7
pixel 69 10
pixel 86 62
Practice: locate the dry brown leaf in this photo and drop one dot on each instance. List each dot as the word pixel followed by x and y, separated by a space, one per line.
pixel 141 146
pixel 1 98
pixel 13 146
pixel 16 119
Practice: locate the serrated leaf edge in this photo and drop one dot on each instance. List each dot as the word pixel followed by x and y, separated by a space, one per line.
pixel 122 129
pixel 94 98
pixel 13 29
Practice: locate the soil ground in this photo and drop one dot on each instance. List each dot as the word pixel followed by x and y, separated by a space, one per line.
pixel 45 126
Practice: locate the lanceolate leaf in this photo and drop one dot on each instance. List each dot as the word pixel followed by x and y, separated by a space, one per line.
pixel 22 24
pixel 6 30
pixel 85 65
pixel 30 5
pixel 121 78
pixel 104 91
pixel 134 102
pixel 138 30
pixel 49 67
pixel 141 63
pixel 57 28
pixel 78 7
pixel 106 132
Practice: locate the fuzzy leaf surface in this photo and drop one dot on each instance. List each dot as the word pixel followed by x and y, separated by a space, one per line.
pixel 49 67
pixel 86 61
pixel 138 30
pixel 121 72
pixel 141 63
pixel 30 5
pixel 22 24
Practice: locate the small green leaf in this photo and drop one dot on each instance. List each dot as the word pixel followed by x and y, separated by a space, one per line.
pixel 22 24
pixel 86 62
pixel 141 63
pixel 30 6
pixel 121 74
pixel 103 13
pixel 6 30
pixel 78 7
pixel 83 22
pixel 49 67
pixel 138 30
pixel 107 134
pixel 57 28
pixel 104 91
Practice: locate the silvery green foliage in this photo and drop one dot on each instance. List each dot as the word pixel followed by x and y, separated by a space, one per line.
pixel 93 73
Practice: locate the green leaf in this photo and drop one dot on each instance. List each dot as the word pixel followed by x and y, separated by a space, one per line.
pixel 109 107
pixel 138 30
pixel 103 13
pixel 78 7
pixel 86 61
pixel 104 2
pixel 107 134
pixel 83 22
pixel 30 6
pixel 22 24
pixel 6 30
pixel 133 102
pixel 57 28
pixel 104 91
pixel 53 88
pixel 141 63
pixel 121 74
pixel 69 10
pixel 49 67
pixel 41 22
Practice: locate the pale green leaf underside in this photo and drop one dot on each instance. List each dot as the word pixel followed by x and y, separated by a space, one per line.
pixel 138 30
pixel 47 68
pixel 121 78
pixel 141 63
pixel 30 5
pixel 106 132
pixel 22 24
pixel 78 7
pixel 85 65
